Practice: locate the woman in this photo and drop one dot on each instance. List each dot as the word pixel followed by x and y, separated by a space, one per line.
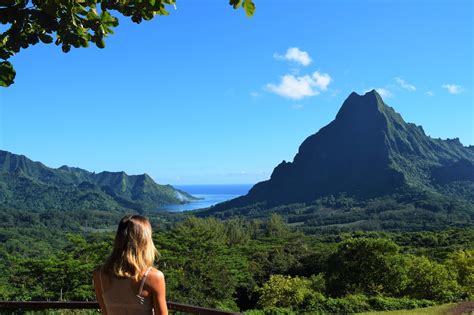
pixel 127 283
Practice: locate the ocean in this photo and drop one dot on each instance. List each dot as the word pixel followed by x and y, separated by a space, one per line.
pixel 210 194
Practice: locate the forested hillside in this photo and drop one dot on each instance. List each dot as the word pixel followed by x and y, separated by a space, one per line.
pixel 259 265
pixel 28 185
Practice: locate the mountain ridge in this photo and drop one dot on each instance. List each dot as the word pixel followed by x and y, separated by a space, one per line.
pixel 21 176
pixel 367 151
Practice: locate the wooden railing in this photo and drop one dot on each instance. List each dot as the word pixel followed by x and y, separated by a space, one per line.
pixel 43 305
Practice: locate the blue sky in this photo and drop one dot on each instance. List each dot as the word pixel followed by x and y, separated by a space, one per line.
pixel 207 95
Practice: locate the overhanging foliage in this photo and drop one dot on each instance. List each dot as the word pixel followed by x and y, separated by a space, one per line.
pixel 72 23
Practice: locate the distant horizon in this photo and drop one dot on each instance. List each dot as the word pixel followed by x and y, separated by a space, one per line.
pixel 230 184
pixel 160 183
pixel 177 184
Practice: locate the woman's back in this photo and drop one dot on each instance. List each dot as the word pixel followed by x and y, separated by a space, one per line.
pixel 124 296
pixel 126 283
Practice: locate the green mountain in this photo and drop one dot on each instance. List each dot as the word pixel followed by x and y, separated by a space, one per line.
pixel 29 185
pixel 367 152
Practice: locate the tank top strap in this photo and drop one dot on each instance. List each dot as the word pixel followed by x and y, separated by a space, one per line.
pixel 143 281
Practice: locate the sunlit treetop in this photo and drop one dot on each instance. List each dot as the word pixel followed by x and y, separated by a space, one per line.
pixel 72 23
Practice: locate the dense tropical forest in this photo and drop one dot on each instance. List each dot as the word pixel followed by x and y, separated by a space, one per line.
pixel 404 210
pixel 260 266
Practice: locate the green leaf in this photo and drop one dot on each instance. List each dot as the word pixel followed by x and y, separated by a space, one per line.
pixel 66 48
pixel 137 18
pixel 163 10
pixel 249 7
pixel 78 8
pixel 106 17
pixel 100 43
pixel 45 38
pixel 3 40
pixel 4 54
pixel 7 74
pixel 148 16
pixel 235 3
pixel 92 15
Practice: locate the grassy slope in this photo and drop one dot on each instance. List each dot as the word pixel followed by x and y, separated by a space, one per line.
pixel 433 310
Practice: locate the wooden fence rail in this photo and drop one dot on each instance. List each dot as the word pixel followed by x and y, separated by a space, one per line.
pixel 43 305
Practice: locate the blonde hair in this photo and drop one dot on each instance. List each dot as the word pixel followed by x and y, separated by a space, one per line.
pixel 133 250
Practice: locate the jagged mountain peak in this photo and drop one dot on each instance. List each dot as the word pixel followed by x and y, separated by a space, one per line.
pixel 370 101
pixel 368 150
pixel 361 127
pixel 368 109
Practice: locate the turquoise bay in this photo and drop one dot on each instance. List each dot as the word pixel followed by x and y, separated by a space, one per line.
pixel 209 195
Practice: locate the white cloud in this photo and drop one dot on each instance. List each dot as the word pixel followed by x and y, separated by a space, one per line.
pixel 382 91
pixel 429 93
pixel 453 88
pixel 294 87
pixel 254 94
pixel 407 86
pixel 322 80
pixel 296 55
pixel 298 87
pixel 297 106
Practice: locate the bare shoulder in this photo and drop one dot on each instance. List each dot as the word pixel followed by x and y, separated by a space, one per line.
pixel 156 279
pixel 156 274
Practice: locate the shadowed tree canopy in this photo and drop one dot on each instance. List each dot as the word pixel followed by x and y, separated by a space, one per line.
pixel 72 23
